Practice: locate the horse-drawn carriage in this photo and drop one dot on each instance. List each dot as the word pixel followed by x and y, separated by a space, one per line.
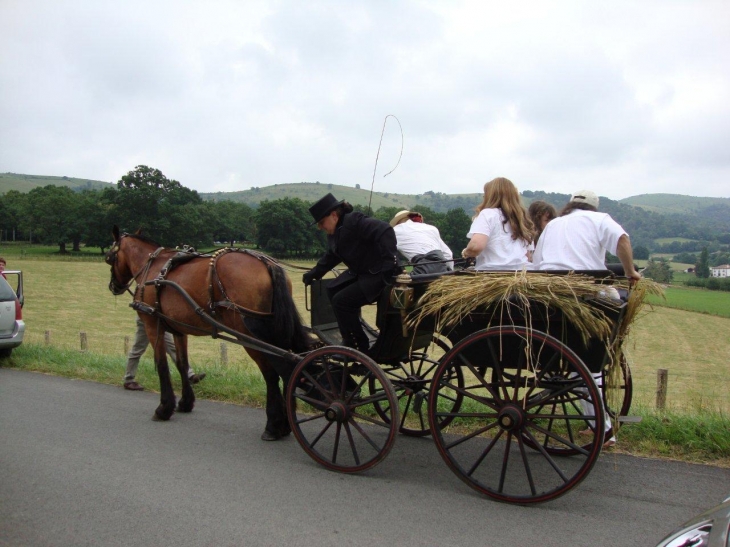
pixel 508 387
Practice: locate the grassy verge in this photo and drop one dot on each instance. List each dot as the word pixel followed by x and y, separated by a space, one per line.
pixel 239 384
pixel 700 437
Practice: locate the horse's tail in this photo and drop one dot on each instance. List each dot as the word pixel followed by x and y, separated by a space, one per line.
pixel 287 321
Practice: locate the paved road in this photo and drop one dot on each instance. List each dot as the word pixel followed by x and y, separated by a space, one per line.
pixel 83 464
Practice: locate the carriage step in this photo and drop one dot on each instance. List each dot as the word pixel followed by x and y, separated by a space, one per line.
pixel 629 419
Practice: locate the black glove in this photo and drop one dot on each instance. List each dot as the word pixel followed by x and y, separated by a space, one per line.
pixel 307 278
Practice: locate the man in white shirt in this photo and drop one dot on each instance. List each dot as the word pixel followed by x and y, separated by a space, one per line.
pixel 579 238
pixel 421 244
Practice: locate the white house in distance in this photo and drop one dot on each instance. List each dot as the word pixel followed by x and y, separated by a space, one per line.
pixel 720 271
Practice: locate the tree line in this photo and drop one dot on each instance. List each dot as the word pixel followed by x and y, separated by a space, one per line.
pixel 173 215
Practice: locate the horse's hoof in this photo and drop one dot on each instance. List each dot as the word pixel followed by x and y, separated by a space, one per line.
pixel 185 407
pixel 161 416
pixel 269 436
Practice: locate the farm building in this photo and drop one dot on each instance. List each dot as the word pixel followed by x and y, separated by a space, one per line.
pixel 721 271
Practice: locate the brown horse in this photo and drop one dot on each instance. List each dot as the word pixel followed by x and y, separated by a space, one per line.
pixel 230 291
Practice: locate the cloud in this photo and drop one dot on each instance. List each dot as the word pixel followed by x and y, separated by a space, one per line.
pixel 225 95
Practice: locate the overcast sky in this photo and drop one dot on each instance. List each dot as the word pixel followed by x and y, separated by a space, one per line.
pixel 625 98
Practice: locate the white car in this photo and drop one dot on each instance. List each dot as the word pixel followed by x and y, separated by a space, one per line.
pixel 12 326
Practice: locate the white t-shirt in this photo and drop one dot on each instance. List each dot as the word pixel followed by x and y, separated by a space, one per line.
pixel 577 241
pixel 418 238
pixel 502 252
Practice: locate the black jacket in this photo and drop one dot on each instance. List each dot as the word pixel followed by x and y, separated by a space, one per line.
pixel 367 246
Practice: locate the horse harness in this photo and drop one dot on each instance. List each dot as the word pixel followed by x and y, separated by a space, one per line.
pixel 183 256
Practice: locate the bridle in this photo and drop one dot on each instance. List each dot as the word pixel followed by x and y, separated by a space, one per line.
pixel 111 258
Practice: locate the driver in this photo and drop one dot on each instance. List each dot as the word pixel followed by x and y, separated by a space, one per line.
pixel 367 246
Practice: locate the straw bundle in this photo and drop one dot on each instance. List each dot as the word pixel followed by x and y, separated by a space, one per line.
pixel 451 298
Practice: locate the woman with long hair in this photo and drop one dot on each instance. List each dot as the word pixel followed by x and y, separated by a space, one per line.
pixel 541 212
pixel 501 232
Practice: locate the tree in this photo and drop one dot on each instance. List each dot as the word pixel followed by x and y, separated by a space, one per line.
pixel 453 228
pixel 641 252
pixel 15 206
pixel 100 219
pixel 658 270
pixel 702 268
pixel 53 214
pixel 229 221
pixel 147 199
pixel 284 227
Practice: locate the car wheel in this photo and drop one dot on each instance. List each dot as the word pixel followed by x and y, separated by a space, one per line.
pixel 4 353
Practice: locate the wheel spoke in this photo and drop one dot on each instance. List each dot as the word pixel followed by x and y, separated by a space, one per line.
pixel 526 465
pixel 364 436
pixel 484 453
pixel 352 442
pixel 473 434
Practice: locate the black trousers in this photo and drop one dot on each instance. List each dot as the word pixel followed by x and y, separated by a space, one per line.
pixel 346 302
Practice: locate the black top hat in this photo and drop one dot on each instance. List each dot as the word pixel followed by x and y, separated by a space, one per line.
pixel 320 209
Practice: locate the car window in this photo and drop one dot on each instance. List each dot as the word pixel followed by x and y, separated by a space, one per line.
pixel 6 291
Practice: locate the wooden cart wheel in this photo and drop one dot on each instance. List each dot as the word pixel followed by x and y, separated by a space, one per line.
pixel 331 408
pixel 519 385
pixel 411 380
pixel 618 393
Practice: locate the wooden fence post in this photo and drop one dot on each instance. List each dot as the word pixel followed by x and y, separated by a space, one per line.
pixel 48 338
pixel 126 345
pixel 84 342
pixel 224 353
pixel 662 379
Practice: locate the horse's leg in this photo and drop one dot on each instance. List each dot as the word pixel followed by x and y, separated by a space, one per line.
pixel 167 394
pixel 277 423
pixel 187 402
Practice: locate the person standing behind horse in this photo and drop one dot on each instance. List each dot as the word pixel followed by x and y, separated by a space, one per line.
pixel 421 244
pixel 501 231
pixel 367 246
pixel 139 347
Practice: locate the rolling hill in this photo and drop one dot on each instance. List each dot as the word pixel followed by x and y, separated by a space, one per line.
pixel 25 183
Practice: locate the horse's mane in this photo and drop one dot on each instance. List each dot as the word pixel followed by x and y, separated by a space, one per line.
pixel 143 238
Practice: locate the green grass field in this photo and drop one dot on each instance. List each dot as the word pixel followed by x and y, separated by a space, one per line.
pixel 697 300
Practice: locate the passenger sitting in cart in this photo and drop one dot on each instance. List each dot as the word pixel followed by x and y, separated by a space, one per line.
pixel 501 232
pixel 579 238
pixel 367 246
pixel 421 244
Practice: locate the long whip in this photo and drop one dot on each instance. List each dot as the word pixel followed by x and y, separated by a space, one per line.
pixel 372 185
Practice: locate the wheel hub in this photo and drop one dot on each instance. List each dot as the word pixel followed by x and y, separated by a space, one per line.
pixel 510 418
pixel 337 412
pixel 413 384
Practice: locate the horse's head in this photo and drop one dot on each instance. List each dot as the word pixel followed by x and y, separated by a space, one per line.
pixel 122 275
